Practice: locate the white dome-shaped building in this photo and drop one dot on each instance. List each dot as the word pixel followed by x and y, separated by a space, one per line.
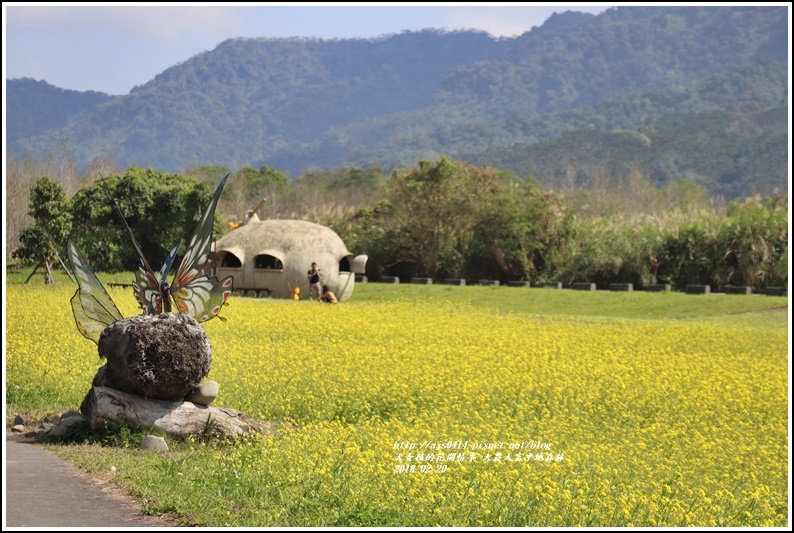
pixel 275 256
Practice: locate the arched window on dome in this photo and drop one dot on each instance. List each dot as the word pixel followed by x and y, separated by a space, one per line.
pixel 230 260
pixel 267 262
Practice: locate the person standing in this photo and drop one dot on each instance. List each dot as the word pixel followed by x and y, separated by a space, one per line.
pixel 315 285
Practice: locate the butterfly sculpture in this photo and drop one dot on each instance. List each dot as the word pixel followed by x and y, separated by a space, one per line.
pixel 93 309
pixel 193 292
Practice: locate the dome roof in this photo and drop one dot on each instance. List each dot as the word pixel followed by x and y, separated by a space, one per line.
pixel 285 235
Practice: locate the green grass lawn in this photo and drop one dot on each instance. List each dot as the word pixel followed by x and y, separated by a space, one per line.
pixel 758 309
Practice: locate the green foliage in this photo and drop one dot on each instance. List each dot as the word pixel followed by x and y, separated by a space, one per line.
pixel 263 182
pixel 445 219
pixel 34 244
pixel 368 230
pixel 434 211
pixel 755 238
pixel 448 219
pixel 272 177
pixel 47 236
pixel 748 247
pixel 517 228
pixel 597 251
pixel 160 208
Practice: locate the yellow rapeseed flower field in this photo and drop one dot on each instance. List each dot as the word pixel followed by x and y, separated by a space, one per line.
pixel 433 414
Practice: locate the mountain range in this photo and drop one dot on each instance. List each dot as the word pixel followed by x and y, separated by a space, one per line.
pixel 683 92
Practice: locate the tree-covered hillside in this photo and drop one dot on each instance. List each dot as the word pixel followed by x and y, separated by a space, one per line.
pixel 732 152
pixel 34 107
pixel 575 59
pixel 298 104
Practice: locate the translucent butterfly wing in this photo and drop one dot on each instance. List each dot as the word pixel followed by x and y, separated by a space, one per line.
pixel 92 307
pixel 90 328
pixel 195 293
pixel 203 297
pixel 198 248
pixel 147 292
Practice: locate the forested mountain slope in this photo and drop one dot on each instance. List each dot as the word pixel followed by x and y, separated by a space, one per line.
pixel 295 104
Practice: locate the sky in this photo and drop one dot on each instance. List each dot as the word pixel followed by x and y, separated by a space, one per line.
pixel 113 47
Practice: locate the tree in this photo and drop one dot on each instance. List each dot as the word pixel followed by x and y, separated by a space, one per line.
pixel 160 208
pixel 268 183
pixel 270 177
pixel 446 219
pixel 42 241
pixel 517 228
pixel 369 230
pixel 435 209
pixel 262 183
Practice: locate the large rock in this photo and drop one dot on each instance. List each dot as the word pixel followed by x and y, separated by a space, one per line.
pixel 110 408
pixel 156 356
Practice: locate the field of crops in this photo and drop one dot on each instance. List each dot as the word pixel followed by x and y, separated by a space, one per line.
pixel 436 411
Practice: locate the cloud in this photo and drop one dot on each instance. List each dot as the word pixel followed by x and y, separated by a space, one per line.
pixel 499 22
pixel 503 21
